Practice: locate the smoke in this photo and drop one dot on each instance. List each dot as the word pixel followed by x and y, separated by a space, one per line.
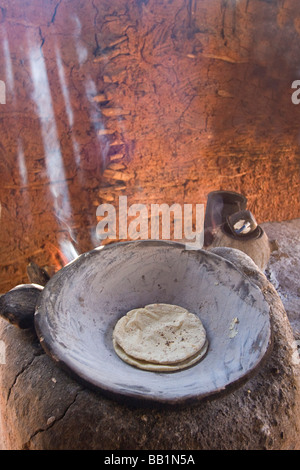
pixel 53 156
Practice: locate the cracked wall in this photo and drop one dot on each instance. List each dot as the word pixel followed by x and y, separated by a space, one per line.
pixel 159 101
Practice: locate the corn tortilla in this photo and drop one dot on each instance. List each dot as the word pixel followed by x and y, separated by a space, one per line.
pixel 160 367
pixel 161 335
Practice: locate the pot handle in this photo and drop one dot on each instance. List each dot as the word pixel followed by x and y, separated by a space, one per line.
pixel 18 305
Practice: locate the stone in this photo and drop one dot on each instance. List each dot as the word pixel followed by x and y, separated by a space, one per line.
pixel 40 413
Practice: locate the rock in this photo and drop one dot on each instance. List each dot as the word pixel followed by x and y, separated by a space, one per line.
pixel 42 408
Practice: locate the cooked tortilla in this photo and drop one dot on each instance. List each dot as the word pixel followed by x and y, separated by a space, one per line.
pixel 159 367
pixel 161 334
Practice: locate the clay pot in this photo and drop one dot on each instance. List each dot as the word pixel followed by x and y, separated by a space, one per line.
pixel 256 245
pixel 221 204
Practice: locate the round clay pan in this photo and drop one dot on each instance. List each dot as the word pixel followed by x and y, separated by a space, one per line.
pixel 80 305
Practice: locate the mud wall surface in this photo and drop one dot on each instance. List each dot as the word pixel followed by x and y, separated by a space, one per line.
pixel 161 101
